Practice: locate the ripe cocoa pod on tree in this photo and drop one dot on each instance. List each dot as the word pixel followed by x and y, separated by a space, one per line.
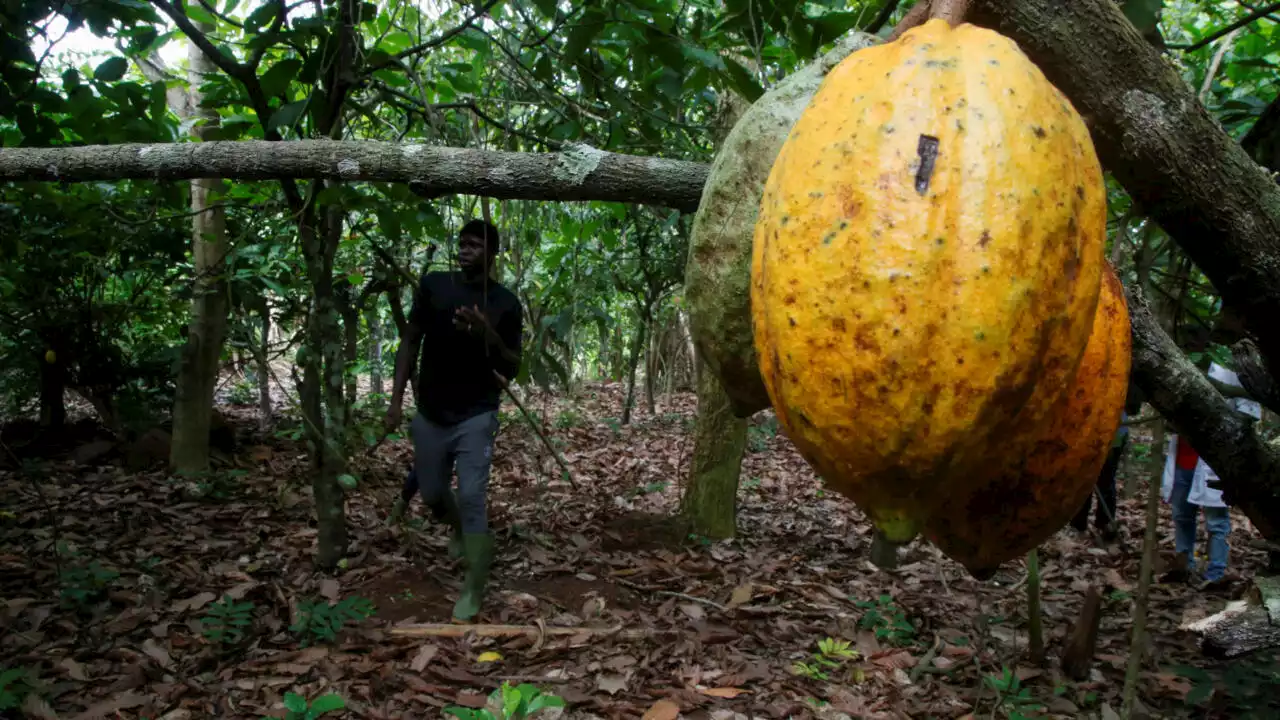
pixel 718 275
pixel 1046 472
pixel 928 252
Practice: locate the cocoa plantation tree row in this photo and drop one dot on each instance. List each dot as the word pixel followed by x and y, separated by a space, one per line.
pixel 495 77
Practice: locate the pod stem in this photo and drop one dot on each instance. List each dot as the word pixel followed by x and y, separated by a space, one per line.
pixel 953 11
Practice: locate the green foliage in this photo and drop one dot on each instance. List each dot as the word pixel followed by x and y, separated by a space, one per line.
pixel 319 621
pixel 1246 687
pixel 297 708
pixel 1011 696
pixel 14 687
pixel 84 584
pixel 513 703
pixel 227 620
pixel 832 654
pixel 887 620
pixel 760 434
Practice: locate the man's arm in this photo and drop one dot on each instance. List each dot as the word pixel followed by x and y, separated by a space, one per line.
pixel 505 342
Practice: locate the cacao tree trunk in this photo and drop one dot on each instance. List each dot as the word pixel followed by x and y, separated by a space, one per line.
pixel 351 343
pixel 710 502
pixel 198 366
pixel 324 407
pixel 263 361
pixel 637 351
pixel 374 321
pixel 53 389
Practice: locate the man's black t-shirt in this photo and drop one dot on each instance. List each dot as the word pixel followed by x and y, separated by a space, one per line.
pixel 455 376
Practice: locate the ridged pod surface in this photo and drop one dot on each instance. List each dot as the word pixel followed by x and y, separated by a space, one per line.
pixel 1038 493
pixel 718 276
pixel 928 251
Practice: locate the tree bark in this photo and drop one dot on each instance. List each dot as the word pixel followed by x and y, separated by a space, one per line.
pixel 264 369
pixel 637 351
pixel 374 321
pixel 1228 440
pixel 198 366
pixel 577 173
pixel 53 388
pixel 1161 143
pixel 710 502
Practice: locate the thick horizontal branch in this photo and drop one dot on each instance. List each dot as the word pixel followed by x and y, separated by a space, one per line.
pixel 578 172
pixel 1227 439
pixel 1171 155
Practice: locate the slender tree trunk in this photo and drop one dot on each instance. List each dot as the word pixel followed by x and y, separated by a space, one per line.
pixel 323 403
pixel 53 387
pixel 650 373
pixel 710 502
pixel 198 367
pixel 350 346
pixel 637 351
pixel 264 369
pixel 374 320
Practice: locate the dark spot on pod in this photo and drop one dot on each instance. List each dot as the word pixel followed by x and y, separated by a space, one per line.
pixel 993 61
pixel 986 269
pixel 985 240
pixel 789 300
pixel 1080 191
pixel 815 194
pixel 960 125
pixel 791 320
pixel 897 332
pixel 979 335
pixel 940 241
pixel 838 324
pixel 887 129
pixel 786 219
pixel 866 284
pixel 959 361
pixel 1038 131
pixel 844 224
pixel 829 237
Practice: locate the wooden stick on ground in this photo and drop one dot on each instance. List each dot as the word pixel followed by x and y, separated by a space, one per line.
pixel 1140 603
pixel 537 429
pixel 457 631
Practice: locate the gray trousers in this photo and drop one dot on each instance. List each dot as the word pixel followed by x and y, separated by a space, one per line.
pixel 469 446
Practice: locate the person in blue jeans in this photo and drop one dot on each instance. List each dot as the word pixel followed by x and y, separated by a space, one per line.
pixel 1188 500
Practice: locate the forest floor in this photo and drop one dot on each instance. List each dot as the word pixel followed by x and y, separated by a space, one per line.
pixel 112 585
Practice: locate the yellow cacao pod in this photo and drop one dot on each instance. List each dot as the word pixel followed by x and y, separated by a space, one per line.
pixel 1049 470
pixel 928 250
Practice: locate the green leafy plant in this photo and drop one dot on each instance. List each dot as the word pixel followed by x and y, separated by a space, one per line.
pixel 513 703
pixel 13 688
pixel 320 621
pixel 887 620
pixel 760 434
pixel 226 621
pixel 297 708
pixel 1246 686
pixel 85 584
pixel 832 654
pixel 1011 696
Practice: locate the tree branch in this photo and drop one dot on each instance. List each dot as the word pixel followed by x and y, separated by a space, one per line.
pixel 579 172
pixel 882 17
pixel 1251 17
pixel 1228 440
pixel 433 42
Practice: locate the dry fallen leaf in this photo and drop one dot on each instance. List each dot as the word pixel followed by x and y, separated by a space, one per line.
pixel 488 657
pixel 157 653
pixel 693 610
pixel 193 603
pixel 330 588
pixel 611 683
pixel 662 710
pixel 741 595
pixel 725 692
pixel 424 656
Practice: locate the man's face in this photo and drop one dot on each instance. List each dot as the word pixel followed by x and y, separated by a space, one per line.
pixel 471 252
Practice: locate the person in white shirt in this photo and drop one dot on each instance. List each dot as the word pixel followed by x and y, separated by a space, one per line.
pixel 1191 489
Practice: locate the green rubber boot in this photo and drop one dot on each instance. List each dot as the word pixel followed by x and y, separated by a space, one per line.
pixel 478 548
pixel 455 525
pixel 397 512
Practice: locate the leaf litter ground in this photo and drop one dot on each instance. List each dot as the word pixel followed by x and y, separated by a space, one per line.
pixel 632 616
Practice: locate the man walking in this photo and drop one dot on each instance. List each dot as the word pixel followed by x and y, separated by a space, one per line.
pixel 471 328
